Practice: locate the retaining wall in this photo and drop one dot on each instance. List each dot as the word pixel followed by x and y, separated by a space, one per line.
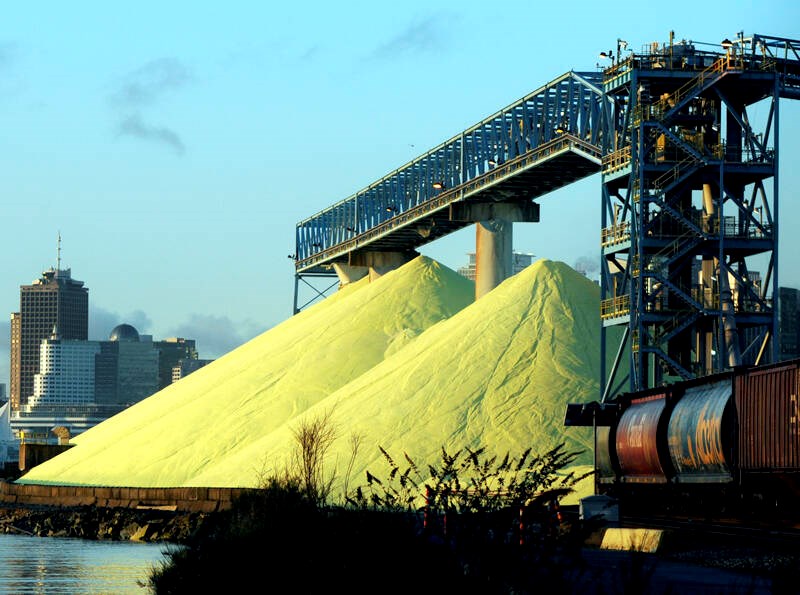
pixel 177 499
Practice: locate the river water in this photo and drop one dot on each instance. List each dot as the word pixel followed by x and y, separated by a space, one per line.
pixel 50 565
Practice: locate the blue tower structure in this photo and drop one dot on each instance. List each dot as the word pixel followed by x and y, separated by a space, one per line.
pixel 690 207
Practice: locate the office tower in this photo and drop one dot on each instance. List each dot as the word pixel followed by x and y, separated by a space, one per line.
pixel 55 300
pixel 126 369
pixel 66 375
pixel 15 353
pixel 172 352
pixel 186 366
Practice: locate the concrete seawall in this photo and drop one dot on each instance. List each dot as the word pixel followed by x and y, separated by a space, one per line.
pixel 196 499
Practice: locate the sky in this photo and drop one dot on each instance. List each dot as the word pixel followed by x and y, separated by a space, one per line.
pixel 174 146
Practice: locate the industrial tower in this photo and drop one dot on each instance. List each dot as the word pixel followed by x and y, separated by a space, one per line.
pixel 690 207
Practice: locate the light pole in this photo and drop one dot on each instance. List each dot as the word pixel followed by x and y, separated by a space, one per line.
pixel 621 45
pixel 610 55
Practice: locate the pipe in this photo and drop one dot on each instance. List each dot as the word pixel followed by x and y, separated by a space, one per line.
pixel 731 335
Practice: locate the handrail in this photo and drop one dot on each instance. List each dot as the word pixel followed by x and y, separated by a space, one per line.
pixel 616 160
pixel 717 67
pixel 615 234
pixel 670 176
pixel 614 307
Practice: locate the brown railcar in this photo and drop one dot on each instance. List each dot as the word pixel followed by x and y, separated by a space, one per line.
pixel 769 418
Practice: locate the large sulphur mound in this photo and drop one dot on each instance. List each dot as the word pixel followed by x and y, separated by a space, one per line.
pixel 402 363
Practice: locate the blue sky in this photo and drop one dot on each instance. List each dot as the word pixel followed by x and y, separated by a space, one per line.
pixel 176 145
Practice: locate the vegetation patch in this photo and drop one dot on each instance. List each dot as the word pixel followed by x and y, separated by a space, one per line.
pixel 474 523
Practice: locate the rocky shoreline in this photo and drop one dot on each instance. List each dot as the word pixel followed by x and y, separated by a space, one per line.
pixel 99 523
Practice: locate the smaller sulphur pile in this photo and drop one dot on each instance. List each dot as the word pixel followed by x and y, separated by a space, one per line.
pixel 175 435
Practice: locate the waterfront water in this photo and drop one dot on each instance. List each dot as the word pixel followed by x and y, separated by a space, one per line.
pixel 55 565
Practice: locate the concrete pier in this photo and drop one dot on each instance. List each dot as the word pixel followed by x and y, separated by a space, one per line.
pixel 494 238
pixel 374 264
pixel 493 254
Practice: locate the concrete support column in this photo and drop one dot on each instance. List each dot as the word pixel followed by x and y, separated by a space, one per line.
pixel 381 263
pixel 494 241
pixel 708 272
pixel 374 264
pixel 732 352
pixel 348 273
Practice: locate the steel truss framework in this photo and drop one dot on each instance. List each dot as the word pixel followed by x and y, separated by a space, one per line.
pixel 688 209
pixel 314 285
pixel 495 160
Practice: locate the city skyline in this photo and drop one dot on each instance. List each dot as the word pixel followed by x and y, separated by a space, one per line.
pixel 176 154
pixel 79 383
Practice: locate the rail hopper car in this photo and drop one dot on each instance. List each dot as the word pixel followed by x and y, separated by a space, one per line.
pixel 722 444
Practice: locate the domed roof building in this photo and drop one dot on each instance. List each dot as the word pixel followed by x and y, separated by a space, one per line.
pixel 124 332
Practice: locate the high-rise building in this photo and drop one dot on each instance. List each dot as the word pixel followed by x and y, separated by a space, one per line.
pixel 66 375
pixel 54 300
pixel 126 368
pixel 16 331
pixel 187 366
pixel 172 352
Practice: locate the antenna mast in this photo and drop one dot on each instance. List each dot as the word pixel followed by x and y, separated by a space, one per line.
pixel 58 259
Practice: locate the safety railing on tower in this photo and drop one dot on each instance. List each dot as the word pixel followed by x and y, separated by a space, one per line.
pixel 615 234
pixel 615 307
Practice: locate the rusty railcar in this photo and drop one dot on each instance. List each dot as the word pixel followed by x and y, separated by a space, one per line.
pixel 701 434
pixel 639 435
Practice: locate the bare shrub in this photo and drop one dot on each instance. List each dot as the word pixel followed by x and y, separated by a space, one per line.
pixel 355 446
pixel 314 438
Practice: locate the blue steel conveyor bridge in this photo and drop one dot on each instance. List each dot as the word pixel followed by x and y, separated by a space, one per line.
pixel 682 170
pixel 546 140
